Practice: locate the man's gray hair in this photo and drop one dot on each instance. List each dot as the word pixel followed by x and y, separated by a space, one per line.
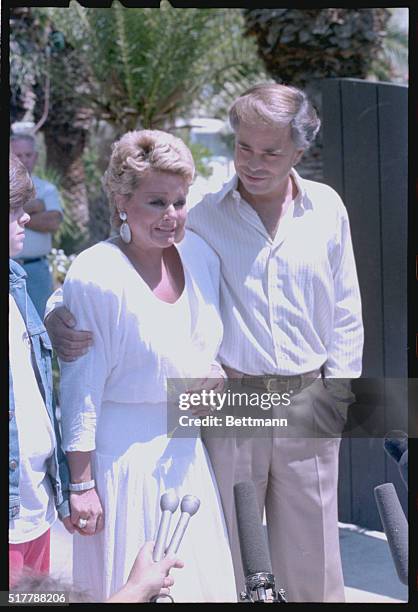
pixel 273 104
pixel 16 136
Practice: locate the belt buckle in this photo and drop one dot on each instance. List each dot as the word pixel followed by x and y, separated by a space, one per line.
pixel 274 385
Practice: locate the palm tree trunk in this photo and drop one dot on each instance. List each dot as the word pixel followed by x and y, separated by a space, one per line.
pixel 64 153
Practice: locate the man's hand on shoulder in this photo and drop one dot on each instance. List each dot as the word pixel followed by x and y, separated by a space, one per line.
pixel 45 221
pixel 69 343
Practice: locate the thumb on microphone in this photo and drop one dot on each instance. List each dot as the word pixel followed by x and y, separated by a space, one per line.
pixel 169 562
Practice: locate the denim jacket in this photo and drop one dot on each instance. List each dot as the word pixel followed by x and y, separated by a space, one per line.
pixel 57 469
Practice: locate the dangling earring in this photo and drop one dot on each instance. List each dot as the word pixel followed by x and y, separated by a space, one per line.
pixel 125 230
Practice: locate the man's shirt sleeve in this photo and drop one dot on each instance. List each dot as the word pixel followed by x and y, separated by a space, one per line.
pixel 345 349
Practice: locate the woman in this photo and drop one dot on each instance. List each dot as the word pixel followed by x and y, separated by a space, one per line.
pixel 153 311
pixel 38 473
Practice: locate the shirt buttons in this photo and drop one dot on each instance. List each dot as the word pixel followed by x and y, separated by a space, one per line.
pixel 13 464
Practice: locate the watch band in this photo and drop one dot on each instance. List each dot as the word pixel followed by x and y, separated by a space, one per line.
pixel 82 486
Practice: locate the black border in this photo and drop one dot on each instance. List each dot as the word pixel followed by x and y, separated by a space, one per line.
pixel 412 227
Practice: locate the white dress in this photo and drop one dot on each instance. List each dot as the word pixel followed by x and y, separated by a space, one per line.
pixel 113 402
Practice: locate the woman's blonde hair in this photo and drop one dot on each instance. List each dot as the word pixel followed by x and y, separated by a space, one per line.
pixel 134 155
pixel 21 188
pixel 273 104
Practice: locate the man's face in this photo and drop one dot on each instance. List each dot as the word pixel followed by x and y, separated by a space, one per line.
pixel 17 221
pixel 263 158
pixel 25 151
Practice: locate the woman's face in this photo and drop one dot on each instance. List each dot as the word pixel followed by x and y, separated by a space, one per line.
pixel 17 221
pixel 156 211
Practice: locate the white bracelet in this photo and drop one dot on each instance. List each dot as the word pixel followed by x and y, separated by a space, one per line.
pixel 82 486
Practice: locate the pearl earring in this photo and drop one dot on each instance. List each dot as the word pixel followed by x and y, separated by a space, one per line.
pixel 125 230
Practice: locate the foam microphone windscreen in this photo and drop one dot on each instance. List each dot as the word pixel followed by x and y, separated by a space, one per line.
pixel 395 526
pixel 254 551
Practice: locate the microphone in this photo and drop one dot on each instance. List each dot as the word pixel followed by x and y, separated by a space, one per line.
pixel 189 506
pixel 396 446
pixel 168 503
pixel 395 526
pixel 259 579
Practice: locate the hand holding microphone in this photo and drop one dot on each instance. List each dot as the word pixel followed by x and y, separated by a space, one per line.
pixel 169 503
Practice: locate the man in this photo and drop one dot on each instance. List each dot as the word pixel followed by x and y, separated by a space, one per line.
pixel 290 307
pixel 291 311
pixel 45 211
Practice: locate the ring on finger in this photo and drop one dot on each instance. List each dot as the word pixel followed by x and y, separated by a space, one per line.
pixel 82 523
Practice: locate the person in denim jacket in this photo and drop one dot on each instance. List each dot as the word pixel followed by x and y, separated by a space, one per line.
pixel 38 471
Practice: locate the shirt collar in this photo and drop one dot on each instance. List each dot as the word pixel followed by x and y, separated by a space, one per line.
pixel 16 271
pixel 300 200
pixel 231 187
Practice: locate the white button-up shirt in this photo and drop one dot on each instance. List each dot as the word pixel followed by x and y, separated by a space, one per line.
pixel 289 304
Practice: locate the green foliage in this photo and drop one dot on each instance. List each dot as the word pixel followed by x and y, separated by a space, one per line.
pixel 28 58
pixel 235 66
pixel 128 68
pixel 147 66
pixel 299 45
pixel 391 63
pixel 200 155
pixel 92 171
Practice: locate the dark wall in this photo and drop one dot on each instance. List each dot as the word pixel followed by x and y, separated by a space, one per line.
pixel 364 129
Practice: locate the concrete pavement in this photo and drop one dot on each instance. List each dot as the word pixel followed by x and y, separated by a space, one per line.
pixel 369 574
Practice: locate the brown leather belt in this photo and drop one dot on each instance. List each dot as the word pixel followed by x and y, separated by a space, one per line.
pixel 280 384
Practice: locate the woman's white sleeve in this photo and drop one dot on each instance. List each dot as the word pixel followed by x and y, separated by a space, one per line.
pixel 83 381
pixel 54 300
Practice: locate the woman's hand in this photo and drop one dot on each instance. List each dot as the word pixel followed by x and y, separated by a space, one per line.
pixel 67 524
pixel 86 505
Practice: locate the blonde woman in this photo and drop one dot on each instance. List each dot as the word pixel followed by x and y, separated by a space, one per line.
pixel 152 307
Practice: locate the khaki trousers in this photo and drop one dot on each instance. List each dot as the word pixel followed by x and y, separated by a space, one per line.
pixel 296 482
